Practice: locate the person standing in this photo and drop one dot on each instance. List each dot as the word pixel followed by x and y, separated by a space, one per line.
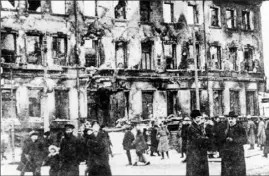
pixel 70 153
pixel 184 135
pixel 163 145
pixel 53 160
pixel 108 141
pixel 261 133
pixel 33 155
pixel 153 139
pixel 140 146
pixel 98 158
pixel 127 143
pixel 266 146
pixel 251 132
pixel 197 162
pixel 232 152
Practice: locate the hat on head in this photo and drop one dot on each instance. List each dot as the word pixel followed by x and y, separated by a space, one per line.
pixel 187 119
pixel 53 147
pixel 32 133
pixel 195 113
pixel 69 125
pixel 232 114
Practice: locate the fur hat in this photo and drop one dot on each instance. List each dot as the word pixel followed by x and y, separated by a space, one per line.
pixel 195 113
pixel 53 147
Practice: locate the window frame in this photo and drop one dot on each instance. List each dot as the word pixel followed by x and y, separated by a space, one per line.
pixel 150 56
pixel 219 53
pixel 125 56
pixel 172 15
pixel 59 14
pixel 124 11
pixel 8 9
pixel 255 102
pixel 147 92
pixel 15 35
pixel 148 10
pixel 249 47
pixel 234 62
pixel 195 13
pixel 64 37
pixel 236 109
pixel 218 11
pixel 233 18
pixel 41 36
pixel 245 26
pixel 174 54
pixel 40 91
pixel 32 11
pixel 56 112
pixel 221 94
pixel 96 45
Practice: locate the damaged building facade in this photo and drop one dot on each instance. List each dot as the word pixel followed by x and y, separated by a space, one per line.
pixel 104 60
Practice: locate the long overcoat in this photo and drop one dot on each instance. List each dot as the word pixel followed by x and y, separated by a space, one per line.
pixel 261 133
pixel 184 135
pixel 140 144
pixel 127 140
pixel 251 132
pixel 233 159
pixel 197 163
pixel 163 145
pixel 98 159
pixel 153 139
pixel 266 146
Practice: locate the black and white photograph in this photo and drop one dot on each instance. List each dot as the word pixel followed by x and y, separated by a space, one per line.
pixel 134 87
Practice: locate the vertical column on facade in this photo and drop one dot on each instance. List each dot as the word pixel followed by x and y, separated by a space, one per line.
pixel 49 51
pixel 226 99
pixel 22 103
pixel 73 106
pixel 184 97
pixel 21 51
pixel 242 96
pixel 210 99
pixel 83 102
pixel 50 110
pixel 160 104
pixel 135 102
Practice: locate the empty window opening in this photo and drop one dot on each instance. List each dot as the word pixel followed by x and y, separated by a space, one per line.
pixel 171 102
pixel 58 7
pixel 90 8
pixel 248 59
pixel 191 56
pixel 234 102
pixel 233 58
pixel 59 49
pixel 192 17
pixel 168 12
pixel 246 20
pixel 145 11
pixel 62 104
pixel 35 103
pixel 121 54
pixel 215 55
pixel 8 105
pixel 34 49
pixel 8 42
pixel 170 56
pixel 147 105
pixel 215 16
pixel 9 4
pixel 120 10
pixel 34 5
pixel 146 60
pixel 193 99
pixel 230 17
pixel 92 53
pixel 251 102
pixel 218 105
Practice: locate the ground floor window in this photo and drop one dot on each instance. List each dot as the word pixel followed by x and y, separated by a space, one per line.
pixel 171 102
pixel 235 101
pixel 62 104
pixel 217 100
pixel 35 103
pixel 8 105
pixel 251 103
pixel 147 105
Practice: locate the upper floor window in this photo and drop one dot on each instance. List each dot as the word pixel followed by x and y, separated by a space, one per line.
pixel 215 56
pixel 146 60
pixel 191 55
pixel 120 10
pixel 90 7
pixel 9 4
pixel 233 58
pixel 121 54
pixel 92 53
pixel 168 12
pixel 145 11
pixel 248 58
pixel 192 14
pixel 34 5
pixel 33 46
pixel 8 42
pixel 58 7
pixel 59 48
pixel 246 20
pixel 231 18
pixel 215 16
pixel 170 56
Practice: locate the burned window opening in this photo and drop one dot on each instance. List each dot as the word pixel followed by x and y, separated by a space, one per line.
pixel 170 56
pixel 168 12
pixel 171 102
pixel 62 104
pixel 120 10
pixel 145 11
pixel 34 52
pixel 246 20
pixel 215 21
pixel 147 105
pixel 92 53
pixel 248 59
pixel 215 56
pixel 233 58
pixel 192 14
pixel 8 52
pixel 234 101
pixel 34 5
pixel 231 18
pixel 251 102
pixel 59 49
pixel 191 56
pixel 35 103
pixel 146 60
pixel 218 105
pixel 121 54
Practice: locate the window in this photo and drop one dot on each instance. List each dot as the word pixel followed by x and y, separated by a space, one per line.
pixel 62 104
pixel 233 57
pixel 35 103
pixel 147 105
pixel 171 102
pixel 192 14
pixel 246 20
pixel 92 106
pixel 59 48
pixel 218 105
pixel 145 11
pixel 9 4
pixel 120 10
pixel 193 99
pixel 248 58
pixel 90 8
pixel 34 49
pixel 251 103
pixel 146 60
pixel 170 56
pixel 215 55
pixel 231 18
pixel 58 7
pixel 8 42
pixel 34 5
pixel 191 56
pixel 168 12
pixel 92 53
pixel 8 105
pixel 215 16
pixel 121 54
pixel 234 101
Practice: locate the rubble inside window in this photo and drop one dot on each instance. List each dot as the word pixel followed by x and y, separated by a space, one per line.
pixel 146 60
pixel 246 20
pixel 8 42
pixel 9 4
pixel 215 21
pixel 34 5
pixel 168 12
pixel 120 10
pixel 234 101
pixel 248 63
pixel 217 99
pixel 147 104
pixel 33 45
pixel 215 56
pixel 121 54
pixel 192 17
pixel 251 103
pixel 233 58
pixel 170 56
pixel 59 48
pixel 62 104
pixel 35 103
pixel 231 18
pixel 145 11
pixel 92 53
pixel 58 7
pixel 90 8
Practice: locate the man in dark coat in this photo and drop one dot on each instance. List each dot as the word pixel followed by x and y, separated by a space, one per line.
pixel 232 153
pixel 70 152
pixel 184 135
pixel 153 139
pixel 197 163
pixel 33 155
pixel 127 143
pixel 98 160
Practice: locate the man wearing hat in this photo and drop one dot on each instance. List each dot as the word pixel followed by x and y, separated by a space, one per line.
pixel 184 134
pixel 251 128
pixel 70 152
pixel 232 153
pixel 197 163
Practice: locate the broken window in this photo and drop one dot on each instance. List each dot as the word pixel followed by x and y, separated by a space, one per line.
pixel 246 20
pixel 215 55
pixel 90 8
pixel 120 10
pixel 170 56
pixel 59 49
pixel 215 21
pixel 8 105
pixel 58 7
pixel 234 101
pixel 233 58
pixel 147 105
pixel 34 49
pixel 62 104
pixel 35 103
pixel 192 14
pixel 9 4
pixel 168 12
pixel 231 18
pixel 8 42
pixel 193 99
pixel 217 99
pixel 145 11
pixel 251 103
pixel 146 60
pixel 191 56
pixel 171 102
pixel 34 5
pixel 92 106
pixel 121 54
pixel 92 53
pixel 248 58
